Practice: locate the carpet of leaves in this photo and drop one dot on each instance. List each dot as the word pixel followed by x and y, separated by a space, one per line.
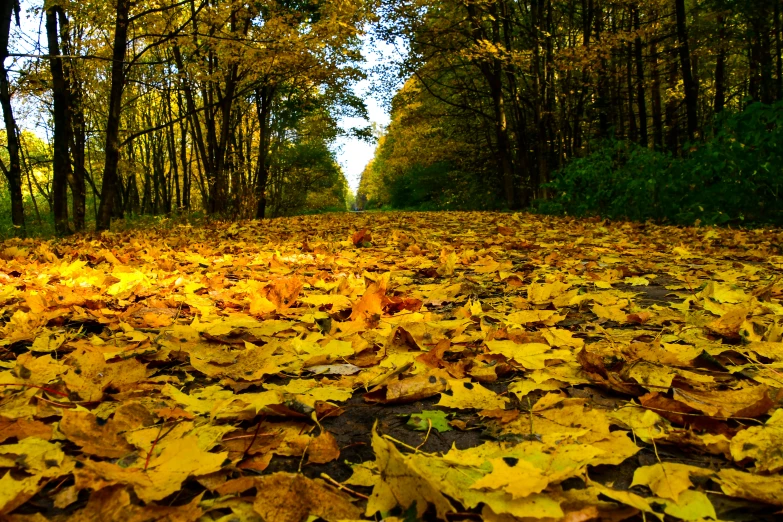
pixel 454 366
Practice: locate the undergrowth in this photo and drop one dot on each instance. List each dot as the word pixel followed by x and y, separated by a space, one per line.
pixel 733 177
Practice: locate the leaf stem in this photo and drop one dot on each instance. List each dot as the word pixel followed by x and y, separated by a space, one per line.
pixel 253 440
pixel 154 443
pixel 344 488
pixel 44 388
pixel 427 436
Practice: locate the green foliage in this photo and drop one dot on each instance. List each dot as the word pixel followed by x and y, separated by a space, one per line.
pixel 34 227
pixel 618 180
pixel 430 419
pixel 307 179
pixel 425 161
pixel 438 187
pixel 418 187
pixel 735 176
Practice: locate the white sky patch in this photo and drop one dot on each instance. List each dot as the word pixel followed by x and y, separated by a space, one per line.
pixel 354 154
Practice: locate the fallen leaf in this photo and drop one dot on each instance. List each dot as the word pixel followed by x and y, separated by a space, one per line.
pixel 429 419
pixel 668 479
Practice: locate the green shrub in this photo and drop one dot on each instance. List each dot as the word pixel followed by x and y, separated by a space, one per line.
pixel 734 176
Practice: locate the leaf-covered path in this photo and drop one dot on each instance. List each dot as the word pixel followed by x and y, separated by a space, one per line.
pixel 450 365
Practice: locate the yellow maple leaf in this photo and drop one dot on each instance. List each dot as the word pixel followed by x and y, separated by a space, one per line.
pixel 668 479
pixel 532 356
pixel 292 497
pixel 463 395
pixel 14 493
pixel 761 443
pixel 612 313
pixel 40 457
pixel 404 484
pixel 757 488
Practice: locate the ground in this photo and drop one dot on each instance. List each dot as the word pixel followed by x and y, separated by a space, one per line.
pixel 379 365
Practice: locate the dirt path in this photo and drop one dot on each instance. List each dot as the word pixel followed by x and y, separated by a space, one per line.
pixel 556 368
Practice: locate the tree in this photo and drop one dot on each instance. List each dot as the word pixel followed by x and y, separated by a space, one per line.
pixel 62 126
pixel 112 149
pixel 12 171
pixel 572 76
pixel 75 124
pixel 189 105
pixel 689 82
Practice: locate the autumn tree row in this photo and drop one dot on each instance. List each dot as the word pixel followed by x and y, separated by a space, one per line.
pixel 224 105
pixel 503 93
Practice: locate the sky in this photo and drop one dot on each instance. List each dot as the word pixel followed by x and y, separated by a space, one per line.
pixel 354 154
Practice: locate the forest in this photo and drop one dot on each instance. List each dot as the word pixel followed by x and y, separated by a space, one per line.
pixel 663 110
pixel 220 108
pixel 554 295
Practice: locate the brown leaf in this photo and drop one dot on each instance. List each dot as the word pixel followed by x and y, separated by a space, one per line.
pixel 639 318
pixel 372 302
pixel 749 401
pixel 237 485
pixel 728 326
pixel 115 504
pixel 319 450
pixel 592 362
pixel 290 497
pixel 361 237
pixel 505 231
pixel 397 304
pixel 410 389
pixel 434 358
pixel 284 292
pixel 503 416
pixel 96 437
pixel 23 428
pixel 682 414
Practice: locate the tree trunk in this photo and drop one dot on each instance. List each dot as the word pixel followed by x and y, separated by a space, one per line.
pixel 171 142
pixel 538 98
pixel 632 129
pixel 689 82
pixel 720 68
pixel 585 79
pixel 501 134
pixel 13 172
pixel 587 19
pixel 263 110
pixel 183 155
pixel 76 127
pixel 61 161
pixel 778 55
pixel 657 116
pixel 672 120
pixel 220 198
pixel 493 74
pixel 602 96
pixel 640 94
pixel 111 165
pixel 553 158
pixel 195 123
pixel 521 166
pixel 763 35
